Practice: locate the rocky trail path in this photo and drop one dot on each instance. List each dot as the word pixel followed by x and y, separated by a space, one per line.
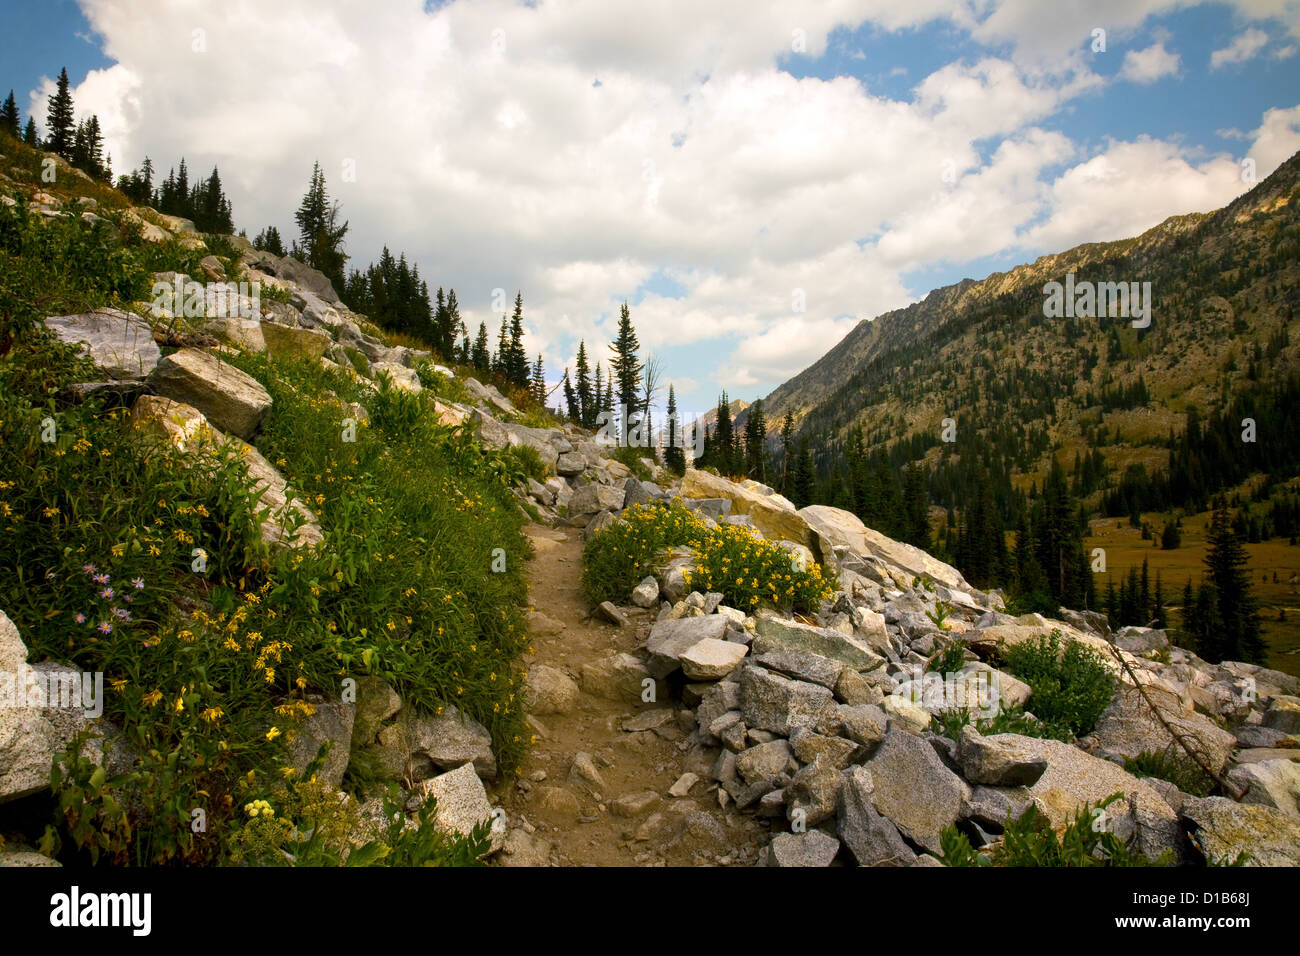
pixel 598 786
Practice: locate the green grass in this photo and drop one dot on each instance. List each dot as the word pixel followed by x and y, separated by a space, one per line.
pixel 1177 768
pixel 1279 601
pixel 1013 720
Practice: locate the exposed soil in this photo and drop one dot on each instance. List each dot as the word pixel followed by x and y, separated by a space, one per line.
pixel 577 824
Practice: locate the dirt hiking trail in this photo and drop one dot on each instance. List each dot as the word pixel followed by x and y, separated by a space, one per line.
pixel 615 808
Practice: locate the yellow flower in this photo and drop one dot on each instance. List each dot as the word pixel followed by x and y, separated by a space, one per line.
pixel 212 714
pixel 152 697
pixel 273 733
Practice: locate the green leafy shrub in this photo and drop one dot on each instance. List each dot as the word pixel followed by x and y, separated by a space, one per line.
pixel 1031 840
pixel 750 571
pixel 950 659
pixel 619 557
pixel 731 560
pixel 305 824
pixel 1072 685
pixel 529 461
pixel 1174 766
pixel 58 267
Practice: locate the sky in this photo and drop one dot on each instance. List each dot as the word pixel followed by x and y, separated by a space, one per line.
pixel 753 177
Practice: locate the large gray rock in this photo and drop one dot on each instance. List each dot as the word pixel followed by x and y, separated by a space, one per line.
pixel 539 439
pixel 593 498
pixel 1270 783
pixel 1222 829
pixel 329 725
pixel 312 280
pixel 809 747
pixel 774 703
pixel 462 804
pixel 617 677
pixel 814 794
pixel 670 639
pixel 1284 714
pixel 290 343
pixel 872 839
pixel 834 526
pixel 399 376
pixel 914 789
pixel 1128 727
pixel 376 702
pixel 120 344
pixel 245 334
pixel 711 659
pixel 813 848
pixel 1074 778
pixel 42 709
pixel 764 761
pixel 446 740
pixel 997 760
pixel 231 400
pixel 776 633
pixel 804 665
pixel 646 594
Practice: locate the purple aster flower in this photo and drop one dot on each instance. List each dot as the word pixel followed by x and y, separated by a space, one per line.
pixel 105 627
pixel 88 568
pixel 138 584
pixel 80 619
pixel 122 613
pixel 106 594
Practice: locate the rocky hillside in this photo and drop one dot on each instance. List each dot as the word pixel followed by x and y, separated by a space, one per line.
pixel 981 352
pixel 890 722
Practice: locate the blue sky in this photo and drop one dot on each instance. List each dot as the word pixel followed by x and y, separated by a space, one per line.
pixel 718 166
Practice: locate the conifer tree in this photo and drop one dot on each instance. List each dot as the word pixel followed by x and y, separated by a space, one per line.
pixel 1236 623
pixel 625 367
pixel 538 382
pixel 29 133
pixel 516 361
pixel 787 453
pixel 320 234
pixel 571 405
pixel 59 119
pixel 480 355
pixel 804 478
pixel 9 118
pixel 500 361
pixel 756 443
pixel 724 440
pixel 586 399
pixel 916 507
pixel 674 454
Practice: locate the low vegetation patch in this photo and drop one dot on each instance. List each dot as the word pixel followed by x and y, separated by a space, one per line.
pixel 1013 720
pixel 146 564
pixel 1071 683
pixel 1031 840
pixel 747 570
pixel 1175 767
